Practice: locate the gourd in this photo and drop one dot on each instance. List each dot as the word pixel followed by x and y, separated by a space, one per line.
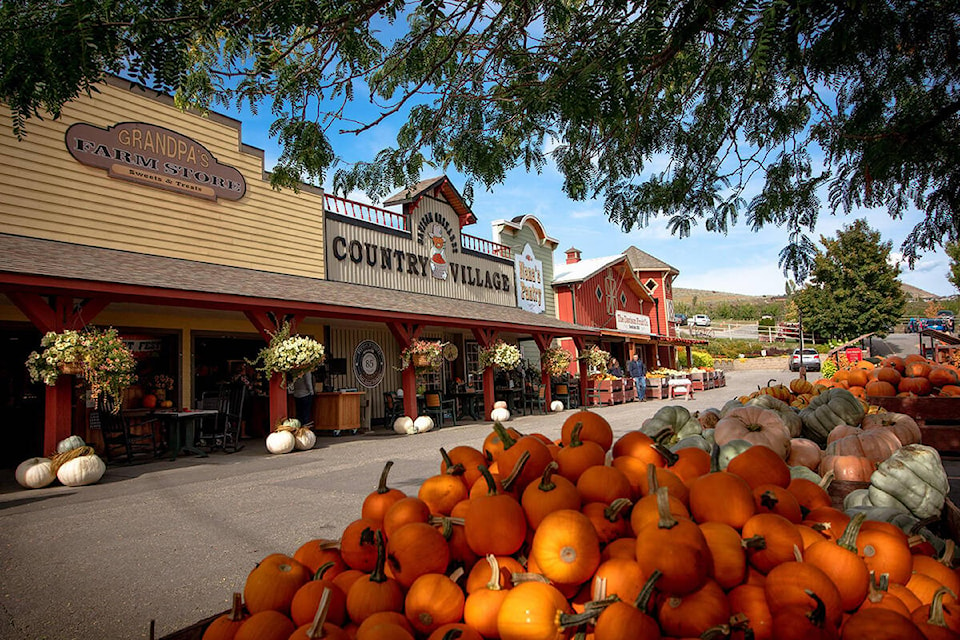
pixel 404 425
pixel 304 438
pixel 35 473
pixel 556 405
pixel 903 426
pixel 291 422
pixel 82 470
pixel 825 411
pixel 730 450
pixel 702 441
pixel 422 424
pixel 69 444
pixel 756 425
pixel 912 479
pixel 790 417
pixel 876 445
pixel 281 442
pixel 675 418
pixel 500 404
pixel 500 414
pixel 800 471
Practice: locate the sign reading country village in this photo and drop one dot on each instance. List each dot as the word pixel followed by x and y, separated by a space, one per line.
pixel 154 156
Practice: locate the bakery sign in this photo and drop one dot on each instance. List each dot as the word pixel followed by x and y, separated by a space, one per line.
pixel 157 157
pixel 529 273
pixel 632 322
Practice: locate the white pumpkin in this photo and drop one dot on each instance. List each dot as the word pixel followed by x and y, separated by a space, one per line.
pixel 404 425
pixel 81 470
pixel 35 473
pixel 305 439
pixel 281 442
pixel 556 405
pixel 500 404
pixel 500 414
pixel 69 444
pixel 422 424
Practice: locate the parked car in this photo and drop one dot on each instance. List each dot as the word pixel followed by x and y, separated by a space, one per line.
pixel 810 359
pixel 945 313
pixel 680 318
pixel 701 320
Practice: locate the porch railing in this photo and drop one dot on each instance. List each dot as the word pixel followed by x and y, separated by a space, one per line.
pixel 365 212
pixel 486 247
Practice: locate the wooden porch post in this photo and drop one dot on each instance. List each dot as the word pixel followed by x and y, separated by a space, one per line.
pixel 405 333
pixel 266 325
pixel 486 337
pixel 57 315
pixel 581 345
pixel 543 341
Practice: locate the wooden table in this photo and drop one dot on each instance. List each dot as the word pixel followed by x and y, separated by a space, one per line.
pixel 337 411
pixel 471 403
pixel 186 422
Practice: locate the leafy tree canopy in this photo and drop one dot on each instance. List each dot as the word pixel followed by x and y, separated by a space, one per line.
pixel 700 111
pixel 953 252
pixel 854 289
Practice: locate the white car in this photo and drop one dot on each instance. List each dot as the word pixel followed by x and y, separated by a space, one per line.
pixel 810 360
pixel 700 320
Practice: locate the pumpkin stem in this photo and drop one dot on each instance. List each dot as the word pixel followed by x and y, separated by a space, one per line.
pixel 757 543
pixel 236 611
pixel 666 521
pixel 507 482
pixel 719 631
pixel 494 584
pixel 506 439
pixel 575 440
pixel 322 569
pixel 849 538
pixel 740 622
pixel 452 469
pixel 878 586
pixel 949 548
pixel 826 480
pixel 567 620
pixel 653 483
pixel 546 480
pixel 936 618
pixel 797 554
pixel 491 483
pixel 663 435
pixel 715 458
pixel 643 598
pixel 516 578
pixel 668 456
pixel 377 575
pixel 768 500
pixel 818 616
pixel 382 486
pixel 316 628
pixel 616 508
pixel 599 588
pixel 453 634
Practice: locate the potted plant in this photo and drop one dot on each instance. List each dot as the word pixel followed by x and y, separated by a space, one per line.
pixel 595 357
pixel 161 384
pixel 500 355
pixel 100 357
pixel 555 361
pixel 289 355
pixel 424 355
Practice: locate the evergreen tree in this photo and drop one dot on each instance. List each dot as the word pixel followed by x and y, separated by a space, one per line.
pixel 853 289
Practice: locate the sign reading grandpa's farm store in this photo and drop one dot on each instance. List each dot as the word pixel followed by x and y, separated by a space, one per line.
pixel 157 157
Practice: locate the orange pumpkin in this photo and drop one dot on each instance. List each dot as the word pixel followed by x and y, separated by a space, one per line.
pixel 805 453
pixel 578 455
pixel 375 505
pixel 468 458
pixel 940 376
pixel 721 496
pixel 686 567
pixel 729 559
pixel 414 550
pixel 266 625
pixel 888 374
pixel 550 493
pixel 273 583
pixel 403 512
pixel 433 600
pixel 777 538
pixel 917 385
pixel 595 428
pixel 482 604
pixel 880 388
pixel 375 591
pixel 692 614
pixel 750 600
pixel 313 554
pixel 787 585
pixel 225 627
pixel 903 426
pixel 532 610
pixel 880 624
pixel 495 523
pixel 566 547
pixel 601 483
pixel 848 468
pixel 760 465
pixel 875 445
pixel 840 561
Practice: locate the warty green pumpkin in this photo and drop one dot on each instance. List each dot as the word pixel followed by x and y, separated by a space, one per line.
pixel 912 479
pixel 827 410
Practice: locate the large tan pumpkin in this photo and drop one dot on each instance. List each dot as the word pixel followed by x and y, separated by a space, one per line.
pixel 805 453
pixel 756 425
pixel 902 425
pixel 876 445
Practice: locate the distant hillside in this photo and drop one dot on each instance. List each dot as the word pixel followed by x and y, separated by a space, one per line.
pixel 704 296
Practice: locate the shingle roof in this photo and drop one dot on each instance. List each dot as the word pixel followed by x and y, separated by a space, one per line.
pixel 446 188
pixel 643 261
pixel 65 266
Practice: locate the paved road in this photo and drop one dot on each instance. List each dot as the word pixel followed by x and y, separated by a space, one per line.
pixel 171 541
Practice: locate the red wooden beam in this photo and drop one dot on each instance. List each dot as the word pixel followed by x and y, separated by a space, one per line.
pixel 37 310
pixel 485 336
pixel 405 332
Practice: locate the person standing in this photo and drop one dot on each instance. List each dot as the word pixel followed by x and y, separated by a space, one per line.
pixel 303 391
pixel 637 370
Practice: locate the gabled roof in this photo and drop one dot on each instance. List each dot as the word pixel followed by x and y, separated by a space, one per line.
pixel 517 223
pixel 643 261
pixel 430 186
pixel 586 269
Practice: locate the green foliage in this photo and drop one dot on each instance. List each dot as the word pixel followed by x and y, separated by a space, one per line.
pixel 828 367
pixel 854 290
pixel 953 252
pixel 701 359
pixel 731 310
pixel 857 99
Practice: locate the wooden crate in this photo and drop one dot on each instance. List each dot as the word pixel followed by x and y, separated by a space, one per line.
pixel 939 418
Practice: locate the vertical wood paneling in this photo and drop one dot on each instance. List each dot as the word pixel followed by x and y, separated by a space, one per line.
pixel 343 343
pixel 46 193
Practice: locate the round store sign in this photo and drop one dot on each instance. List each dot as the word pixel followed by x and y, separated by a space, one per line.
pixel 368 363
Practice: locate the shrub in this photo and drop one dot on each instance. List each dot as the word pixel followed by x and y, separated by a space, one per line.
pixel 701 359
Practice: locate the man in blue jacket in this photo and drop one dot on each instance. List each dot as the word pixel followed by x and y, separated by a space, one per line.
pixel 637 370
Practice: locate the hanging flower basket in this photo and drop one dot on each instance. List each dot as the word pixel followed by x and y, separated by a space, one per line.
pixel 424 355
pixel 71 368
pixel 501 355
pixel 595 357
pixel 291 355
pixel 555 361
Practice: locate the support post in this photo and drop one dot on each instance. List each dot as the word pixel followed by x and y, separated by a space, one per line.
pixel 266 325
pixel 486 337
pixel 543 341
pixel 582 366
pixel 405 333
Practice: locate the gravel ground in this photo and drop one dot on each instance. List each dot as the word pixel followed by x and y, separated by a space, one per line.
pixel 170 541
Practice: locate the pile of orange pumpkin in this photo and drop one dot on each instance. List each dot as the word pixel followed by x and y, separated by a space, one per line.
pixel 523 538
pixel 897 376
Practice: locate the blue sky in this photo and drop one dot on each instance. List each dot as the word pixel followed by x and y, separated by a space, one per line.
pixel 742 261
